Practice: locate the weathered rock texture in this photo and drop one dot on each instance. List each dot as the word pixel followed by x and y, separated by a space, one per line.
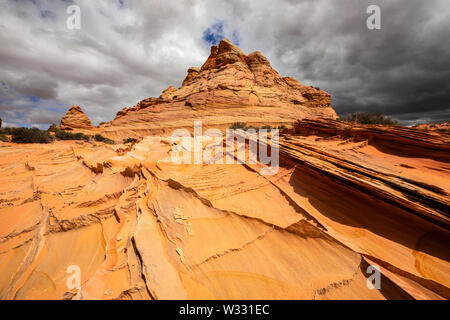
pixel 229 87
pixel 141 227
pixel 75 118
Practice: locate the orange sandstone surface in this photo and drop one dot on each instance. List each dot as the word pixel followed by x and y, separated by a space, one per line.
pixel 140 226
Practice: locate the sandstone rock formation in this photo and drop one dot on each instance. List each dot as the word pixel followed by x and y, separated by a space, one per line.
pixel 137 225
pixel 75 118
pixel 442 127
pixel 229 87
pixel 141 227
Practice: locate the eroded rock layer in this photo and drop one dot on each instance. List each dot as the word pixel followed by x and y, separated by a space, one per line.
pixel 139 226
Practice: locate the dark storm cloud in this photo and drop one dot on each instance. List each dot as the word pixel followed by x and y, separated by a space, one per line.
pixel 404 68
pixel 126 51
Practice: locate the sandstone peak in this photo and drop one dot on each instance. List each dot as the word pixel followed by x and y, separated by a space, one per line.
pixel 228 53
pixel 226 45
pixel 75 110
pixel 225 53
pixel 75 118
pixel 229 87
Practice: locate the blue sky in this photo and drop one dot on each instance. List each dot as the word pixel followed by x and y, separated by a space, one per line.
pixel 216 32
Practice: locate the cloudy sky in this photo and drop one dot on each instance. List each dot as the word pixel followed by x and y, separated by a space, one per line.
pixel 129 50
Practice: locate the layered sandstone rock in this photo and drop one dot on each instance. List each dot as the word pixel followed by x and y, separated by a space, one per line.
pixel 229 87
pixel 394 135
pixel 142 227
pixel 75 118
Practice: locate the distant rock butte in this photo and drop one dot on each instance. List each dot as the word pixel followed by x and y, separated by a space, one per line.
pixel 75 118
pixel 229 87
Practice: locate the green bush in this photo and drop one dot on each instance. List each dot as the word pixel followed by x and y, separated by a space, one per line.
pixel 64 135
pixel 53 128
pixel 368 118
pixel 26 135
pixel 129 140
pixel 238 125
pixel 100 138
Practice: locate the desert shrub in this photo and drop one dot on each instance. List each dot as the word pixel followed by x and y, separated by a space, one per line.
pixel 64 135
pixel 129 140
pixel 238 125
pixel 368 118
pixel 33 135
pixel 4 138
pixel 6 130
pixel 242 125
pixel 100 138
